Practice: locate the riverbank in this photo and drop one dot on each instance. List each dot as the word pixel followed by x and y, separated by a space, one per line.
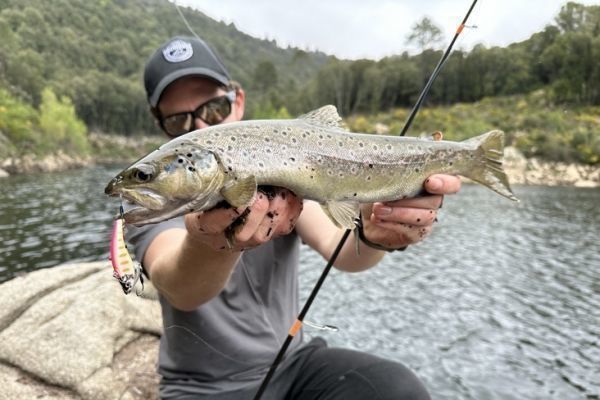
pixel 105 149
pixel 110 149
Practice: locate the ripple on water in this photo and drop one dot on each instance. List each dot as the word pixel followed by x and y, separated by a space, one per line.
pixel 502 302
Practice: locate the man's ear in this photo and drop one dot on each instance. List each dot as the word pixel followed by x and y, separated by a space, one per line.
pixel 240 104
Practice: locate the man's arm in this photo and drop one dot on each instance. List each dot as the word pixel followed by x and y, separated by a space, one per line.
pixel 393 225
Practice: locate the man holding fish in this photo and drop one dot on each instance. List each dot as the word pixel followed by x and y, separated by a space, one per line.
pixel 228 275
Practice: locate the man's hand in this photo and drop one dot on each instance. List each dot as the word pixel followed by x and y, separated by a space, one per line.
pixel 270 215
pixel 399 223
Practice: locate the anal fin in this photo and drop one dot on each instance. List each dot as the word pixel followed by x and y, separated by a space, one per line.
pixel 342 213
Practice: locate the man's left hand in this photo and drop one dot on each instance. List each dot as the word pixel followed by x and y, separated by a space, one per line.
pixel 397 224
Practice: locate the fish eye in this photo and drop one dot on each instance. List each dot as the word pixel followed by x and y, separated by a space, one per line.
pixel 141 176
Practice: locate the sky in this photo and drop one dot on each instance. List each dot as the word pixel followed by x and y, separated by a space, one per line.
pixel 353 29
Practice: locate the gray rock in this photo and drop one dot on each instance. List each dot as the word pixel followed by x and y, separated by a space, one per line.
pixel 66 327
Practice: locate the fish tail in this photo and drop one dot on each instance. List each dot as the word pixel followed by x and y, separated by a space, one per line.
pixel 489 149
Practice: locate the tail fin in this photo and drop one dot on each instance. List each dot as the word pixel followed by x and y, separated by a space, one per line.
pixel 490 149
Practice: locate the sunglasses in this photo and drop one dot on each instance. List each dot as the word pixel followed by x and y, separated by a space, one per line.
pixel 212 112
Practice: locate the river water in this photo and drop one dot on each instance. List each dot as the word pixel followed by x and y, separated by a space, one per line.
pixel 501 302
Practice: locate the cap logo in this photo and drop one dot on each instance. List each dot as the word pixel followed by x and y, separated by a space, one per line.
pixel 178 50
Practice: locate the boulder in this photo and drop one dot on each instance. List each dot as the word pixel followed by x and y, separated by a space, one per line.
pixel 69 332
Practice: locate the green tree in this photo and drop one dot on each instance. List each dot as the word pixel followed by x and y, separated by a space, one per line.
pixel 425 34
pixel 18 120
pixel 59 124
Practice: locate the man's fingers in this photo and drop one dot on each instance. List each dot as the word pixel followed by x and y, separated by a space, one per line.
pixel 258 210
pixel 442 184
pixel 212 221
pixel 399 234
pixel 406 215
pixel 431 202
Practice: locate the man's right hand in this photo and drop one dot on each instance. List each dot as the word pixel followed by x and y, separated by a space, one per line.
pixel 269 216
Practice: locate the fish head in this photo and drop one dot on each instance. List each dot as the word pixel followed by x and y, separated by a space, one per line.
pixel 171 181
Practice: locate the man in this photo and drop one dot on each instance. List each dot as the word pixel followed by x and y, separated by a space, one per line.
pixel 226 310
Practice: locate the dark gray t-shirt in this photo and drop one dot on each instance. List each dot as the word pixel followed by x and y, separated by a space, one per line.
pixel 228 343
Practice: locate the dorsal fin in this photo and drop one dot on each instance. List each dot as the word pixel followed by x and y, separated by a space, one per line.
pixel 324 116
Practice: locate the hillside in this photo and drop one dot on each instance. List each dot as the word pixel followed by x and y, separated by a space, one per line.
pixel 94 52
pixel 71 68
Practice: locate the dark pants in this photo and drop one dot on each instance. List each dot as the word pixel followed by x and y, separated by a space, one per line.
pixel 322 373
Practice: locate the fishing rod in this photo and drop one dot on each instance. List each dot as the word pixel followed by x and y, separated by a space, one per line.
pixel 436 72
pixel 297 325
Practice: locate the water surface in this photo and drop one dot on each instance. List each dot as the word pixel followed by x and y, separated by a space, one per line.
pixel 501 302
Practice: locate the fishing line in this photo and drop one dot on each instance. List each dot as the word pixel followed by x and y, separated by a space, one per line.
pixel 185 20
pixel 298 323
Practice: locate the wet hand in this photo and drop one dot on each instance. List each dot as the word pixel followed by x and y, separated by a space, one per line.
pixel 270 215
pixel 397 224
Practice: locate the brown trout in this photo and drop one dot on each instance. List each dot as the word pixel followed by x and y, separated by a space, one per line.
pixel 313 156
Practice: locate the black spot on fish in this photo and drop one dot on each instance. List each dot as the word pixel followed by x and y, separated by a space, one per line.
pixel 418 219
pixel 267 139
pixel 361 144
pixel 191 169
pixel 354 194
pixel 292 159
pixel 417 170
pixel 370 165
pixel 189 155
pixel 180 161
pixel 233 139
pixel 269 231
pixel 229 168
pixel 229 148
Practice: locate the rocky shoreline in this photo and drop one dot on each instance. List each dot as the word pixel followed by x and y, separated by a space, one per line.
pixel 68 332
pixel 520 170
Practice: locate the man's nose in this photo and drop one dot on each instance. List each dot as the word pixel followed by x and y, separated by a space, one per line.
pixel 199 124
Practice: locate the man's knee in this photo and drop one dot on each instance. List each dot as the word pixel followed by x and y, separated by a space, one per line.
pixel 392 381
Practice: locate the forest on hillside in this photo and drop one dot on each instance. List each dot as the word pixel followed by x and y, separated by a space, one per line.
pixel 69 67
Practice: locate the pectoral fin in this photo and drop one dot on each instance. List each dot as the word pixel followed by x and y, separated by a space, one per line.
pixel 239 192
pixel 342 213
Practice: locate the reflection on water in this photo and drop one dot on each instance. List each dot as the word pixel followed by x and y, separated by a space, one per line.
pixel 502 302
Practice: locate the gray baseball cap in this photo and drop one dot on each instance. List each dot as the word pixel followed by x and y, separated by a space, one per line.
pixel 181 56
